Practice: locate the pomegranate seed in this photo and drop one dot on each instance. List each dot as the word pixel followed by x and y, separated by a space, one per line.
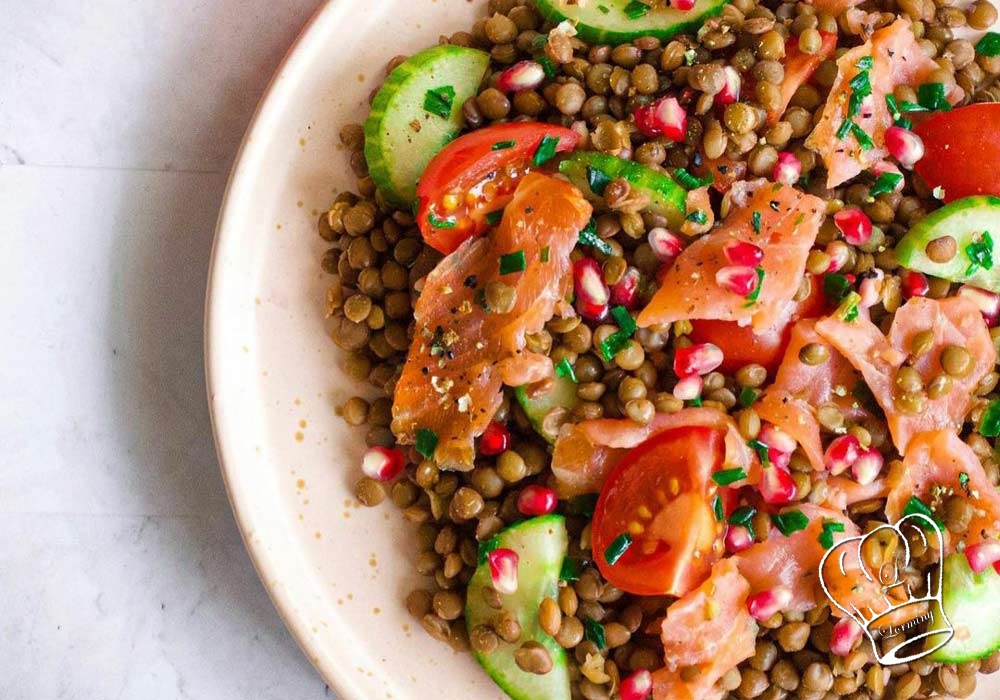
pixel 682 5
pixel 868 466
pixel 788 169
pixel 987 302
pixel 915 284
pixel 982 556
pixel 841 454
pixel 844 636
pixel 730 91
pixel 503 570
pixel 743 253
pixel 689 388
pixel 780 459
pixel 737 539
pixel 764 605
pixel 903 145
pixel 525 75
pixel 537 500
pixel 638 686
pixel 665 117
pixel 839 254
pixel 776 485
pixel 495 439
pixel 854 225
pixel 700 359
pixel 666 246
pixel 382 463
pixel 884 166
pixel 625 290
pixel 738 279
pixel 775 437
pixel 592 295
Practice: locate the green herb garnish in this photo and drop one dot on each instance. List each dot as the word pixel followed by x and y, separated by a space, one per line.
pixel 906 106
pixel 848 309
pixel 835 286
pixel 890 102
pixel 571 569
pixel 747 397
pixel 545 151
pixel 864 140
pixel 503 145
pixel 989 45
pixel 963 481
pixel 564 368
pixel 698 216
pixel 729 476
pixel 717 508
pixel 743 517
pixel 980 254
pixel 915 506
pixel 762 450
pixel 485 547
pixel 865 63
pixel 604 9
pixel 829 527
pixel 885 183
pixel 427 441
pixel 550 68
pixel 594 632
pixel 932 96
pixel 617 548
pixel 439 101
pixel 589 237
pixel 691 182
pixel 753 296
pixel 598 180
pixel 989 425
pixel 790 521
pixel 440 223
pixel 619 340
pixel 494 217
pixel 755 222
pixel 513 262
pixel 844 129
pixel 636 9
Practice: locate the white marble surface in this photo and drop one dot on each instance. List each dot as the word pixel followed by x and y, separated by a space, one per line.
pixel 122 573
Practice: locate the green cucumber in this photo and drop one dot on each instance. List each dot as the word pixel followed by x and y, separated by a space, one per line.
pixel 561 395
pixel 667 198
pixel 965 220
pixel 401 135
pixel 972 605
pixel 541 545
pixel 621 21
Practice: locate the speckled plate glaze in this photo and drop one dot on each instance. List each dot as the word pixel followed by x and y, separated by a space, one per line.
pixel 336 572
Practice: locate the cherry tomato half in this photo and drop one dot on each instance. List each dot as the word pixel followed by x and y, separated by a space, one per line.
pixel 661 495
pixel 961 151
pixel 476 174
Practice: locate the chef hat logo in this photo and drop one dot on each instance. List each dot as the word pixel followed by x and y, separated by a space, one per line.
pixel 865 577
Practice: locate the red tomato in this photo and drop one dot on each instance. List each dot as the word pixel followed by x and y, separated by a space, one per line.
pixel 961 151
pixel 662 495
pixel 476 174
pixel 741 346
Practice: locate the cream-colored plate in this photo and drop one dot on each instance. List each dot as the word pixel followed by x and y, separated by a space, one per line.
pixel 337 572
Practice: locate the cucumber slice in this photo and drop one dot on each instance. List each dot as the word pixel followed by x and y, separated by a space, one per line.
pixel 972 604
pixel 401 136
pixel 965 220
pixel 541 545
pixel 620 21
pixel 667 198
pixel 561 395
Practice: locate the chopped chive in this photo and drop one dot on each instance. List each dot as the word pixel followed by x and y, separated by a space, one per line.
pixel 571 569
pixel 589 237
pixel 903 122
pixel 762 450
pixel 438 101
pixel 753 296
pixel 564 368
pixel 864 140
pixel 594 631
pixel 932 96
pixel 545 254
pixel 755 222
pixel 848 309
pixel 835 286
pixel 697 216
pixel 885 183
pixel 717 508
pixel 865 63
pixel 696 402
pixel 747 397
pixel 743 517
pixel 545 151
pixel 844 129
pixel 494 217
pixel 440 223
pixel 963 481
pixel 624 319
pixel 915 506
pixel 485 547
pixel 790 521
pixel 980 254
pixel 890 102
pixel 617 548
pixel 619 340
pixel 582 505
pixel 829 527
pixel 513 262
pixel 503 145
pixel 989 45
pixel 989 426
pixel 907 106
pixel 729 476
pixel 801 217
pixel 598 180
pixel 550 68
pixel 636 9
pixel 691 182
pixel 603 9
pixel 427 441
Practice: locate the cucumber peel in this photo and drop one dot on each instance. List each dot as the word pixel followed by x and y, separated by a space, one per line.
pixel 541 545
pixel 972 604
pixel 666 197
pixel 966 220
pixel 401 133
pixel 621 21
pixel 536 408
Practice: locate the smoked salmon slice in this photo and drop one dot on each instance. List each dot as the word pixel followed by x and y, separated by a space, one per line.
pixel 462 351
pixel 779 219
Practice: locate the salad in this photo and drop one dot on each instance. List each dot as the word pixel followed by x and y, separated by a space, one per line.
pixel 662 304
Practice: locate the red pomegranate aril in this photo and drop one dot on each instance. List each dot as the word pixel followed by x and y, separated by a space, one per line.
pixel 788 169
pixel 737 539
pixel 854 225
pixel 743 253
pixel 915 284
pixel 665 117
pixel 987 302
pixel 525 75
pixel 698 359
pixel 495 439
pixel 780 459
pixel 841 454
pixel 868 466
pixel 775 437
pixel 982 556
pixel 764 605
pixel 682 5
pixel 637 686
pixel 537 500
pixel 592 295
pixel 776 485
pixel 903 145
pixel 845 634
pixel 689 388
pixel 503 570
pixel 382 463
pixel 664 244
pixel 738 279
pixel 730 91
pixel 625 290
